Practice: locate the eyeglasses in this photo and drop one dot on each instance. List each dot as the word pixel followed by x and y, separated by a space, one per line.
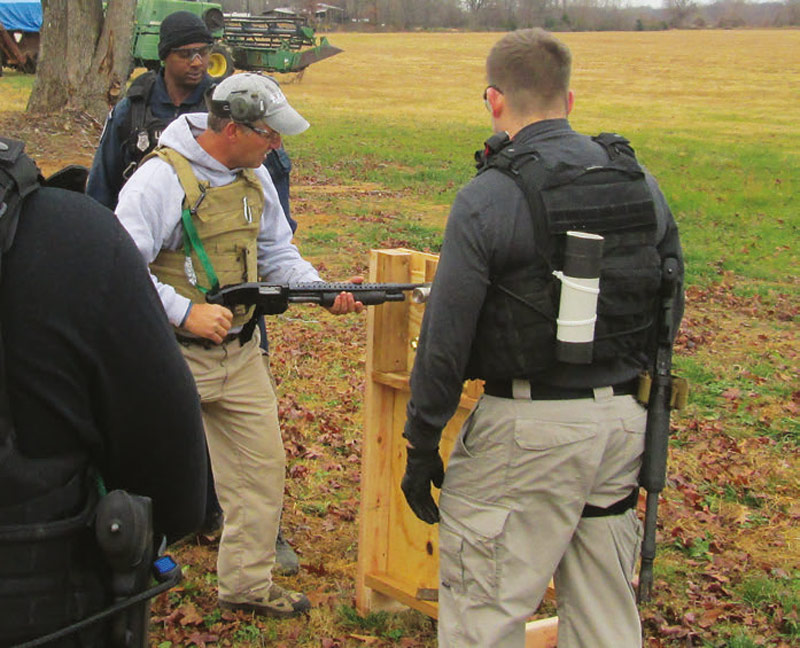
pixel 267 133
pixel 189 53
pixel 486 97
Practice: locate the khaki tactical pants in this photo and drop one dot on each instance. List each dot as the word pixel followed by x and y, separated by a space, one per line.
pixel 240 415
pixel 516 484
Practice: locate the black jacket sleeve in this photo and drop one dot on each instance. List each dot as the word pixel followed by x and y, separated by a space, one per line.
pixel 93 368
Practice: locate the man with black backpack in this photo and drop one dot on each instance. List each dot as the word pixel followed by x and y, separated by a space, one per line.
pixel 548 289
pixel 94 396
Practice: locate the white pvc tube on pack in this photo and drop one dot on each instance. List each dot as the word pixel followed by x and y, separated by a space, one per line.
pixel 580 288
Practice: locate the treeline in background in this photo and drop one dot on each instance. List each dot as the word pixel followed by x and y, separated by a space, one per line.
pixel 555 15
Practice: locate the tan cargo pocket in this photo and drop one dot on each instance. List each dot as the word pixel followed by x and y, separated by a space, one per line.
pixel 626 532
pixel 542 435
pixel 468 543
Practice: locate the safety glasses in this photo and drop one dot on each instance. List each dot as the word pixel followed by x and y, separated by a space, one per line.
pixel 189 53
pixel 267 133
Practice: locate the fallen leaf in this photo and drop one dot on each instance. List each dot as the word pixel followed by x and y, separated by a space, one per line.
pixel 367 639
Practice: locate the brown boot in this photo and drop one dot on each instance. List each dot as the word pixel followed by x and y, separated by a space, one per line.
pixel 280 603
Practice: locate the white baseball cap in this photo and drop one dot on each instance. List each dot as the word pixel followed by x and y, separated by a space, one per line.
pixel 248 97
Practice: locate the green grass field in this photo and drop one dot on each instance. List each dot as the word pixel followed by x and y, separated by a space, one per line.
pixel 715 115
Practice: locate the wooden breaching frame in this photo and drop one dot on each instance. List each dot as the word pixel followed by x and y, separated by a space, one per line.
pixel 398 557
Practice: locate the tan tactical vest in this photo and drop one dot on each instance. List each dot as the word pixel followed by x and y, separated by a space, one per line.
pixel 227 220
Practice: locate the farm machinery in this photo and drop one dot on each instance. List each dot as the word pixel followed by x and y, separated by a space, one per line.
pixel 278 41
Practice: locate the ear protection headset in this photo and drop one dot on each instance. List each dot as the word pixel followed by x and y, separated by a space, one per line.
pixel 241 106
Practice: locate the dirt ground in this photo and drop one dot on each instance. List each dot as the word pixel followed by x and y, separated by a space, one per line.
pixel 54 141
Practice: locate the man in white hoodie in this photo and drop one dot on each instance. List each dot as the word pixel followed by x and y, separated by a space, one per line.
pixel 204 212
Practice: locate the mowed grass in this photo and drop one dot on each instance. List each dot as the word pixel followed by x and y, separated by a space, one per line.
pixel 714 114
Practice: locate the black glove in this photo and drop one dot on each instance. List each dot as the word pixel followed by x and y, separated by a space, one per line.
pixel 423 468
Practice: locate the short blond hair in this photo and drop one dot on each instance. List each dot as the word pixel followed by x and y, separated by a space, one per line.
pixel 531 67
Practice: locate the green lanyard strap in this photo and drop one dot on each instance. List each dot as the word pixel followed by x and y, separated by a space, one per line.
pixel 191 241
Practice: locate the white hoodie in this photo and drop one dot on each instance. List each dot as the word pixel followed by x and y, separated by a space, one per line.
pixel 150 209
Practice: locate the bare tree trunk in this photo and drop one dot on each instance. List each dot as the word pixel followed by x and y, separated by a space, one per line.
pixel 84 56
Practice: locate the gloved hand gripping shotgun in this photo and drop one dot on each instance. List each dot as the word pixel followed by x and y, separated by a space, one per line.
pixel 273 299
pixel 653 473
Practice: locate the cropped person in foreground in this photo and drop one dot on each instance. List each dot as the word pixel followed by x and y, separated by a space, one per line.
pixel 93 391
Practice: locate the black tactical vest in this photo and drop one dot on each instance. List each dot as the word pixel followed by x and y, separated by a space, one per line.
pixel 517 324
pixel 46 504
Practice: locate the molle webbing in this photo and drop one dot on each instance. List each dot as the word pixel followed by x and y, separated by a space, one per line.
pixel 50 571
pixel 19 176
pixel 516 328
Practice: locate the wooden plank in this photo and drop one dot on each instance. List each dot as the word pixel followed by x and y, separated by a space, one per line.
pixel 413 544
pixel 387 341
pixel 542 633
pixel 378 413
pixel 397 551
pixel 423 268
pixel 375 492
pixel 389 337
pixel 389 586
pixel 413 551
pixel 400 382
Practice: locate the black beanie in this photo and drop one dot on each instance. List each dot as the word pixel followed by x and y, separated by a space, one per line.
pixel 181 28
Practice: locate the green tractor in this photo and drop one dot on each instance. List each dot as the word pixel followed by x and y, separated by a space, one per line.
pixel 274 42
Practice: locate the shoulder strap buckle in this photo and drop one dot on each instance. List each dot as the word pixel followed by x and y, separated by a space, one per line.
pixel 615 145
pixel 484 158
pixel 10 150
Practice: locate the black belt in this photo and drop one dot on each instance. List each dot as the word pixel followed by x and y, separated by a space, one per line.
pixel 186 340
pixel 539 391
pixel 617 508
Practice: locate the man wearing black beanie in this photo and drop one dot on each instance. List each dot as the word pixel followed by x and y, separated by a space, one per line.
pixel 181 28
pixel 151 103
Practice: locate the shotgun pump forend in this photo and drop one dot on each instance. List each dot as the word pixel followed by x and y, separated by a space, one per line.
pixel 273 299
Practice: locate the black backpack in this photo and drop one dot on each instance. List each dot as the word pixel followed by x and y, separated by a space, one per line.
pixel 613 199
pixel 19 177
